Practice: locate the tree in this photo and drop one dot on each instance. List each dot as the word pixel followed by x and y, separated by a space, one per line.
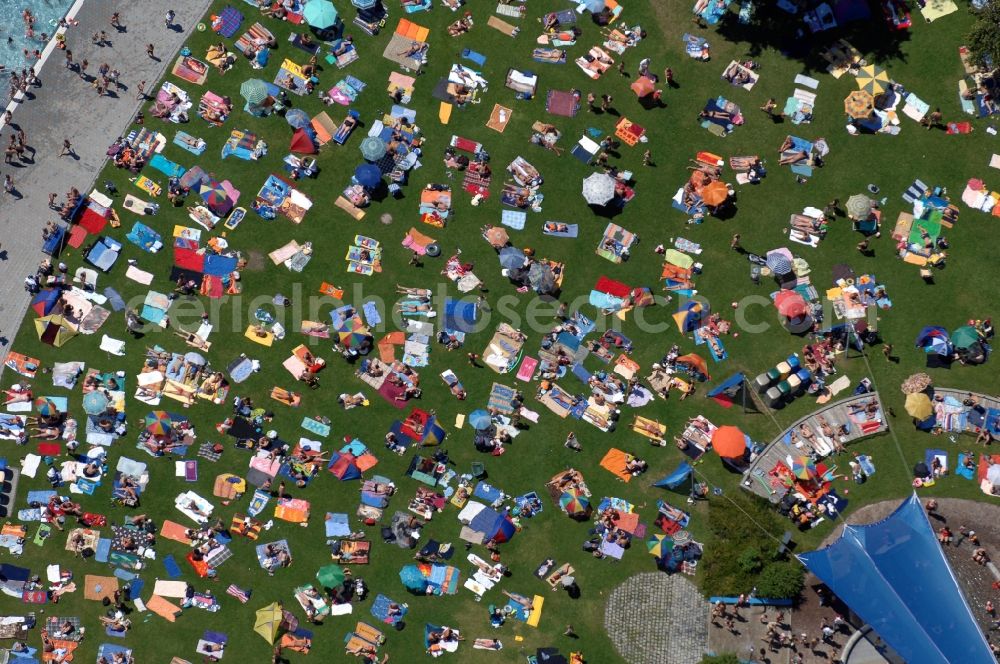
pixel 781 580
pixel 983 40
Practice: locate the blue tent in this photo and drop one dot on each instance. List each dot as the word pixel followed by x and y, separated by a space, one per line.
pixel 894 575
pixel 689 316
pixel 45 301
pixel 460 315
pixel 494 525
pixel 344 466
pixel 676 478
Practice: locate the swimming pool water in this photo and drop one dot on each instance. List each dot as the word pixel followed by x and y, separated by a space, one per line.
pixel 12 38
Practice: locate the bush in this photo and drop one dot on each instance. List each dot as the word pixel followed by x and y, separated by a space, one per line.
pixel 750 561
pixel 781 580
pixel 727 658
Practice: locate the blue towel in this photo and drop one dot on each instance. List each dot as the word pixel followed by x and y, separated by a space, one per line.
pixel 173 569
pixel 967 473
pixel 135 587
pixel 473 56
pixel 41 497
pixel 580 372
pixel 337 525
pixel 114 299
pixel 103 550
pixel 372 316
pixel 167 167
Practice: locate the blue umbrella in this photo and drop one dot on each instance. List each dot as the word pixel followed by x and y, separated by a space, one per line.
pixel 320 14
pixel 297 118
pixel 779 264
pixel 480 420
pixel 512 258
pixel 368 175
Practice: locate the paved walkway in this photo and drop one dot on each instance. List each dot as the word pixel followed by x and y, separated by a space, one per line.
pixel 655 618
pixel 66 107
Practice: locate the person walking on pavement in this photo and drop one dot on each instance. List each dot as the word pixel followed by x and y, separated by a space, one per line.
pixel 151 51
pixel 169 18
pixel 67 148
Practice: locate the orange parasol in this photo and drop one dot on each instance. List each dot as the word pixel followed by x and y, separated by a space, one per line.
pixel 729 442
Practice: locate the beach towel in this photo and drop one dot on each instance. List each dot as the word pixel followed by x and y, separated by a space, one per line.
pixel 227 22
pixel 499 118
pixel 565 104
pixel 959 127
pixel 473 56
pixel 567 230
pixel 967 473
pixel 503 26
pixel 163 608
pixel 513 219
pixel 190 69
pixel 97 588
pixel 195 146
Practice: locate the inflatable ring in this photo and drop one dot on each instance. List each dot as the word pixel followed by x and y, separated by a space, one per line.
pixel 201 27
pixel 433 250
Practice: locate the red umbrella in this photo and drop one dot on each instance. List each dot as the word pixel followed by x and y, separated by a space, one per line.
pixel 729 442
pixel 642 86
pixel 790 304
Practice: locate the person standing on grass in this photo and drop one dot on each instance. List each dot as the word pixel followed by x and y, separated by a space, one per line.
pixel 734 244
pixel 935 119
pixel 647 158
pixel 887 352
pixel 591 99
pixel 606 103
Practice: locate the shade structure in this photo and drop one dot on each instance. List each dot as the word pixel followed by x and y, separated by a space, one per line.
pixel 918 382
pixel 859 104
pixel 859 206
pixel 368 175
pixel 497 236
pixel 918 406
pixel 297 118
pixel 873 79
pixel 480 420
pixel 331 576
pixel 729 442
pixel 715 193
pixel 45 301
pixel 934 340
pixel 642 86
pixel 598 188
pixel 779 264
pixel 95 403
pixel 352 331
pixel 302 142
pixel 254 90
pixel 364 4
pixel 159 423
pixel 894 575
pixel 320 14
pixel 803 468
pixel 46 407
pixel 659 545
pixel 541 278
pixel 965 337
pixel 512 258
pixel 54 330
pixel 372 148
pixel 695 366
pixel 267 622
pixel 574 503
pixel 790 304
pixel 215 196
pixel 682 537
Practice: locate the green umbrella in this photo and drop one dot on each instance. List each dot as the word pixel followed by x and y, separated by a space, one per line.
pixel 320 14
pixel 965 336
pixel 331 576
pixel 372 148
pixel 254 90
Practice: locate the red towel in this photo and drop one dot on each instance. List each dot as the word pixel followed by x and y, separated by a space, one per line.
pixel 466 145
pixel 189 259
pixel 92 221
pixel 77 234
pixel 612 287
pixel 49 449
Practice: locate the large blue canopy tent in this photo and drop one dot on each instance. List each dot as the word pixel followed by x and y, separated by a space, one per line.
pixel 894 575
pixel 676 478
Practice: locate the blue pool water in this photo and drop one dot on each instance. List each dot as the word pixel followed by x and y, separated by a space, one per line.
pixel 12 36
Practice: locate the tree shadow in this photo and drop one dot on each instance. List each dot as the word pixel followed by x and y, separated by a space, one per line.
pixel 773 28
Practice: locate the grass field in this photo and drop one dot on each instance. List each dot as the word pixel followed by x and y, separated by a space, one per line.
pixel 924 59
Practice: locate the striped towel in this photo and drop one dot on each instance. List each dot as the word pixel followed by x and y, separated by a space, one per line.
pixel 239 593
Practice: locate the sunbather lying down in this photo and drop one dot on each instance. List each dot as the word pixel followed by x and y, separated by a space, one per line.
pixel 792 157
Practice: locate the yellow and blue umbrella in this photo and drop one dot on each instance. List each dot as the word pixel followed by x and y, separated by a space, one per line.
pixel 46 407
pixel 659 545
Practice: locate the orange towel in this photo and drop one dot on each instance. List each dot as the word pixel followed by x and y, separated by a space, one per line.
pixel 614 462
pixel 98 587
pixel 174 531
pixel 163 608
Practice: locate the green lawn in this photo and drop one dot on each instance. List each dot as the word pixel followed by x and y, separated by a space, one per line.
pixel 925 60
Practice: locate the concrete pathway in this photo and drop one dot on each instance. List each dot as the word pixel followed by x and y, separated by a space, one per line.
pixel 67 107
